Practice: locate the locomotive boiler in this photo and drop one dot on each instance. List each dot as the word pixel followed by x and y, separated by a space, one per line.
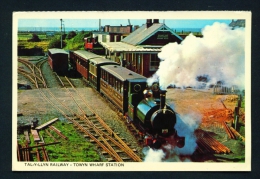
pixel 157 120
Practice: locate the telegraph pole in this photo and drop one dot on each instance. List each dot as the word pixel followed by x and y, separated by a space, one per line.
pixel 61 33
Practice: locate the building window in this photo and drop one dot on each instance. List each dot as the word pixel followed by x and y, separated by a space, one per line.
pixel 154 62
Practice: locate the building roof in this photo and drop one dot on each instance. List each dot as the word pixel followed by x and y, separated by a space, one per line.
pixel 143 33
pixel 124 47
pixel 122 73
pixel 57 50
pixel 102 60
pixel 100 32
pixel 86 54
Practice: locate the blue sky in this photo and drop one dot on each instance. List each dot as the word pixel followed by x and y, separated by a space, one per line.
pixel 92 23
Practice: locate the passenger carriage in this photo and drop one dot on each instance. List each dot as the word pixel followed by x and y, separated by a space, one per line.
pixel 58 60
pixel 94 70
pixel 80 59
pixel 119 85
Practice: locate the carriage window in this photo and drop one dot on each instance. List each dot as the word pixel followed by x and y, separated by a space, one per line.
pixel 116 83
pixel 102 74
pixel 110 79
pixel 113 81
pixel 121 88
pixel 105 75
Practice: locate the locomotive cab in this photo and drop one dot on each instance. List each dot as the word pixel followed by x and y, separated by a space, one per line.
pixel 88 44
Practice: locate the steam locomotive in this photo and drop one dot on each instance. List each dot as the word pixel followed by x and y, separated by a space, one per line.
pixel 142 105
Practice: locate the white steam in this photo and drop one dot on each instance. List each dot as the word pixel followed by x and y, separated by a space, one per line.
pixel 153 155
pixel 220 54
pixel 185 126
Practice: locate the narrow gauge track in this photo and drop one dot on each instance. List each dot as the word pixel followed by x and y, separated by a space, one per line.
pixel 35 74
pixel 92 126
pixel 64 81
pixel 38 72
pixel 130 126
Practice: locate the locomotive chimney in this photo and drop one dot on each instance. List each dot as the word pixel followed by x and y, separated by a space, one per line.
pixel 162 98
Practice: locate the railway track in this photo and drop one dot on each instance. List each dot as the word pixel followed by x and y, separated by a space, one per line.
pixel 64 81
pixel 34 74
pixel 92 126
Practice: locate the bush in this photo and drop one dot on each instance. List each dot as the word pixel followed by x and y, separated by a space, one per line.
pixel 55 43
pixel 77 41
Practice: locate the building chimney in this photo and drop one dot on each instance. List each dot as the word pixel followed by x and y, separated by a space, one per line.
pixel 149 23
pixel 162 98
pixel 156 21
pixel 106 28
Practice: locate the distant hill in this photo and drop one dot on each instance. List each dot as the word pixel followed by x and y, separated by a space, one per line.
pixel 238 23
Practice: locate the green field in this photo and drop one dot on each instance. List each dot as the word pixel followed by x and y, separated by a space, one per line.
pixel 22 37
pixel 74 43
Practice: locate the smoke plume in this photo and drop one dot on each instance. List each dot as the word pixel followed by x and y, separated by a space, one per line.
pixel 220 54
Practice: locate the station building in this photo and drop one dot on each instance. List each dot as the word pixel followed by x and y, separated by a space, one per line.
pixel 112 33
pixel 139 50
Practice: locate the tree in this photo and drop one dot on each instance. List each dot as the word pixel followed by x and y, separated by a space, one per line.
pixel 71 34
pixel 203 78
pixel 34 38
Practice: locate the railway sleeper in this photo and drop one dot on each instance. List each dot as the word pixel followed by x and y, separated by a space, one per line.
pixel 99 126
pixel 85 126
pixel 90 115
pixel 117 151
pixel 112 145
pixel 93 141
pixel 95 135
pixel 92 130
pixel 80 122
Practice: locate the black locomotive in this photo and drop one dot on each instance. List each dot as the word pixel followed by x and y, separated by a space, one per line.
pixel 140 104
